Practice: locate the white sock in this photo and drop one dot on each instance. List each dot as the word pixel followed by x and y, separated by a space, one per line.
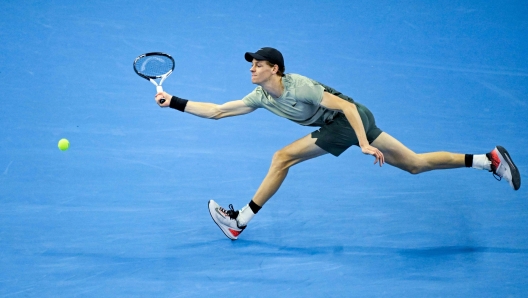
pixel 245 215
pixel 481 162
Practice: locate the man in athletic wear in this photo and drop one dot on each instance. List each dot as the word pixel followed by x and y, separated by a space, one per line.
pixel 342 123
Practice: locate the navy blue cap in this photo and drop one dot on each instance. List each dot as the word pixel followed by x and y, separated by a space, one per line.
pixel 269 54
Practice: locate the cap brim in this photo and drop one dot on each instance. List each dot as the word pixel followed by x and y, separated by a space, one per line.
pixel 250 56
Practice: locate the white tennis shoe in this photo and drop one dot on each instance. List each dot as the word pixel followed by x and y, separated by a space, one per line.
pixel 226 220
pixel 502 166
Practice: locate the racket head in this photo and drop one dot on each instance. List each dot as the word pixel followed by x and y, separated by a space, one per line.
pixel 154 65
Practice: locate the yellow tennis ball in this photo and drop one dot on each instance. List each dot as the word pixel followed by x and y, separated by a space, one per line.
pixel 64 144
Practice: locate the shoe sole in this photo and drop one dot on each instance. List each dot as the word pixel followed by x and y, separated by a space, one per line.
pixel 516 176
pixel 211 214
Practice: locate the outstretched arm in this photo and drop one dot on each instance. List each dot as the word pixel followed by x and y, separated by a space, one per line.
pixel 335 103
pixel 208 110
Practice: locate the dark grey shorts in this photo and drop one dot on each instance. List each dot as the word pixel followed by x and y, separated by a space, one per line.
pixel 337 136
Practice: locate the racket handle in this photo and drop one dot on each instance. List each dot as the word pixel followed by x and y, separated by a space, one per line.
pixel 160 89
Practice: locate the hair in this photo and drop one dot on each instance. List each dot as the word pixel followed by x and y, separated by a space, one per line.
pixel 280 72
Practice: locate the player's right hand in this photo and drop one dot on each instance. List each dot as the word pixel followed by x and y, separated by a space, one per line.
pixel 378 155
pixel 163 95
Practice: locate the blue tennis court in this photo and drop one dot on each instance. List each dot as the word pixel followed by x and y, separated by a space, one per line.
pixel 123 212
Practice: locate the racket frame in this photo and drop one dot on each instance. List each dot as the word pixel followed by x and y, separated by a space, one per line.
pixel 153 78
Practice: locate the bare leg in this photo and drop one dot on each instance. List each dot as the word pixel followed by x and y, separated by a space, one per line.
pixel 396 154
pixel 298 151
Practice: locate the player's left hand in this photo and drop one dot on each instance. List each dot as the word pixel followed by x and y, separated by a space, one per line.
pixel 378 155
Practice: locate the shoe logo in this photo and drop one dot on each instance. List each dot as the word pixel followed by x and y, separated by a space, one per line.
pixel 235 233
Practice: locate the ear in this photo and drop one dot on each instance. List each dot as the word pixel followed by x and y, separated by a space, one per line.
pixel 275 69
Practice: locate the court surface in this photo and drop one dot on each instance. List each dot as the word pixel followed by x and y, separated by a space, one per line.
pixel 123 212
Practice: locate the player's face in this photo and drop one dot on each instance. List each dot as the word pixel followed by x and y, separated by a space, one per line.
pixel 261 72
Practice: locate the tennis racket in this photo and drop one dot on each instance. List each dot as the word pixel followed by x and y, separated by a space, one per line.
pixel 152 66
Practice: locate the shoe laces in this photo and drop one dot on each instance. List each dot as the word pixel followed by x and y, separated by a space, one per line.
pixel 496 176
pixel 233 214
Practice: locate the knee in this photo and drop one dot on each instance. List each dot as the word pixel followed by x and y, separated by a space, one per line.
pixel 416 166
pixel 414 170
pixel 281 160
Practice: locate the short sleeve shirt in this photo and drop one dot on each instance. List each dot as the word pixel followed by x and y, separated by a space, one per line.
pixel 300 102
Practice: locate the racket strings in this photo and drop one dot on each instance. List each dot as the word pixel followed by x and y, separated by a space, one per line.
pixel 154 65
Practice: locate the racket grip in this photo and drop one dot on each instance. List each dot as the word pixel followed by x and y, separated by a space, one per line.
pixel 160 89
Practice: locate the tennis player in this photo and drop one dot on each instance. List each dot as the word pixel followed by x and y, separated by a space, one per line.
pixel 342 123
